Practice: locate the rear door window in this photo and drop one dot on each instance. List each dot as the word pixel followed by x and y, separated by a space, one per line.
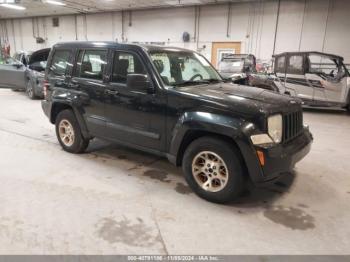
pixel 91 64
pixel 295 65
pixel 280 64
pixel 59 63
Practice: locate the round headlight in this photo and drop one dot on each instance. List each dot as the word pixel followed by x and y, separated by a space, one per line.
pixel 275 128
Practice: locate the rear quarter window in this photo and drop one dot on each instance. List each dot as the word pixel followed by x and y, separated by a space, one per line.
pixel 59 62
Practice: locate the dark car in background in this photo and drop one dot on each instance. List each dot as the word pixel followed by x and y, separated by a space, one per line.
pixel 242 69
pixel 237 67
pixel 36 73
pixel 171 102
pixel 25 74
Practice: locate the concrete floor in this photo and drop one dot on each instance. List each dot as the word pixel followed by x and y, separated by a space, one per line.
pixel 115 200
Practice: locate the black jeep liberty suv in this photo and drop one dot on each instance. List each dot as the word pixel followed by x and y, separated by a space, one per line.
pixel 171 102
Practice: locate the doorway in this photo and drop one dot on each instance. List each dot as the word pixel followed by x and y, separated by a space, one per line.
pixel 220 49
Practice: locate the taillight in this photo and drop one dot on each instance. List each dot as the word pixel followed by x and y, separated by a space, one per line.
pixel 46 87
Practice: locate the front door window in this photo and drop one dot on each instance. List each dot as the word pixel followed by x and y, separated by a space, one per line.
pixel 326 67
pixel 124 64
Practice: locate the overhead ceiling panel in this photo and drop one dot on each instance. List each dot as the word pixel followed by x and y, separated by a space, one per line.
pixel 41 8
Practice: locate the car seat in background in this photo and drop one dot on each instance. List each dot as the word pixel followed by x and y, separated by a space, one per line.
pixel 160 68
pixel 120 70
pixel 86 69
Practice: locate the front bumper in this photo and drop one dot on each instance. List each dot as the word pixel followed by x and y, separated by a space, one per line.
pixel 39 90
pixel 280 159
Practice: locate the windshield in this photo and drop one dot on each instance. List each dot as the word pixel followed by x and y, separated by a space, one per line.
pixel 231 66
pixel 181 67
pixel 38 60
pixel 38 66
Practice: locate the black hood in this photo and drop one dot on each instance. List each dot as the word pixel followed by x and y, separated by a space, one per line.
pixel 240 98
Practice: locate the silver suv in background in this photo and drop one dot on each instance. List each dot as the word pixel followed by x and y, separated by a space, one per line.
pixel 25 74
pixel 242 69
pixel 23 57
pixel 12 73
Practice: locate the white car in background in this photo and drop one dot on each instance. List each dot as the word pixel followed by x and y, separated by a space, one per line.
pixel 318 79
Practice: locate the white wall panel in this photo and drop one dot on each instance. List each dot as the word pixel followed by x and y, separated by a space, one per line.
pixel 239 21
pixel 160 25
pixel 338 29
pixel 27 37
pixel 65 31
pixel 252 23
pixel 99 26
pixel 314 25
pixel 267 31
pixel 213 23
pixel 289 26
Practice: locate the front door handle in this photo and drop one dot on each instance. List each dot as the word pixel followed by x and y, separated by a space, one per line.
pixel 74 84
pixel 59 83
pixel 111 92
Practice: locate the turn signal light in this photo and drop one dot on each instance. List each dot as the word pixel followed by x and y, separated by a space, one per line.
pixel 261 157
pixel 45 87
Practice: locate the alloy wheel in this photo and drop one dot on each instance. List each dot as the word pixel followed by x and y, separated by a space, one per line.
pixel 210 171
pixel 30 89
pixel 66 132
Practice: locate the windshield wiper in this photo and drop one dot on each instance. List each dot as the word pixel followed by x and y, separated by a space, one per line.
pixel 192 82
pixel 198 82
pixel 214 80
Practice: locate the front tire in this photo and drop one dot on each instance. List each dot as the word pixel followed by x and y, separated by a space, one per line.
pixel 213 169
pixel 30 90
pixel 69 134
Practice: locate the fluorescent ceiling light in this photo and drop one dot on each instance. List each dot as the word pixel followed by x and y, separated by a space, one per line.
pixel 17 7
pixel 7 1
pixel 53 2
pixel 187 2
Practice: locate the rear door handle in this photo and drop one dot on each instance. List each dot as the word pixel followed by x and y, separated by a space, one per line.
pixel 111 92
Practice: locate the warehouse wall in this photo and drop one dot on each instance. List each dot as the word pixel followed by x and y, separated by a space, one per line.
pixel 321 25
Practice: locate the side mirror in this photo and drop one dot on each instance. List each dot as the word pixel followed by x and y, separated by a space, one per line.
pixel 18 65
pixel 139 82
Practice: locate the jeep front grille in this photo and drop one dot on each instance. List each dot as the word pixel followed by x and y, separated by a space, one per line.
pixel 292 125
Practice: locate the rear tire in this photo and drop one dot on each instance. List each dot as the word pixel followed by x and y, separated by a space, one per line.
pixel 69 134
pixel 213 169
